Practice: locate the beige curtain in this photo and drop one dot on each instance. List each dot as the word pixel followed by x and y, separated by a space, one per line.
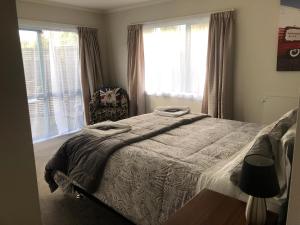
pixel 136 70
pixel 91 68
pixel 218 93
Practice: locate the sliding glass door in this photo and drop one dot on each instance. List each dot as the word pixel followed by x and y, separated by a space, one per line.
pixel 52 73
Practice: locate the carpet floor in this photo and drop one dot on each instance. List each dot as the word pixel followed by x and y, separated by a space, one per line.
pixel 61 209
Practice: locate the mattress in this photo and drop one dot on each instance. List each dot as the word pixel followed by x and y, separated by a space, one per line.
pixel 149 180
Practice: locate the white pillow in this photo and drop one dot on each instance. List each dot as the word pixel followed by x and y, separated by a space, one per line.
pixel 268 143
pixel 277 131
pixel 286 149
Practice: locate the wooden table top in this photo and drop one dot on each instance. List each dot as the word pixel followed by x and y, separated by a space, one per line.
pixel 212 208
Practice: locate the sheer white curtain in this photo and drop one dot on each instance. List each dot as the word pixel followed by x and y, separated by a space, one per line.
pixel 175 58
pixel 52 74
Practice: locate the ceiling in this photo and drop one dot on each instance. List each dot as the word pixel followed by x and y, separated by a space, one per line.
pixel 103 5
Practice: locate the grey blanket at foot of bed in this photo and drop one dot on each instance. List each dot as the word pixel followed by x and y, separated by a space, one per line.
pixel 83 157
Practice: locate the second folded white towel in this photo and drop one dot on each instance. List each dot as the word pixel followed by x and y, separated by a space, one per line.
pixel 172 111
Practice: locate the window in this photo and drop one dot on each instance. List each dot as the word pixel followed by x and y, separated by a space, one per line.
pixel 175 58
pixel 52 74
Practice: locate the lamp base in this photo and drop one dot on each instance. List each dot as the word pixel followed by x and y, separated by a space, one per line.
pixel 256 211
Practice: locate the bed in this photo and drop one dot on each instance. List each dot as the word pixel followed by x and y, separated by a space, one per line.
pixel 148 180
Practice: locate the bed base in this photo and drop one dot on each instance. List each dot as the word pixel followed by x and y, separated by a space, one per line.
pixel 80 194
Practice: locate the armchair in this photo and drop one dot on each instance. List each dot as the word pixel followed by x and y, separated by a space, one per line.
pixel 109 104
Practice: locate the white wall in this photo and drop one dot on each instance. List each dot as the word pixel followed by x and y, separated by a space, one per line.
pixel 72 16
pixel 19 196
pixel 256 49
pixel 155 101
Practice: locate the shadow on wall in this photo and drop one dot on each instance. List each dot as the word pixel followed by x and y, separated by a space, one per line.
pixel 276 106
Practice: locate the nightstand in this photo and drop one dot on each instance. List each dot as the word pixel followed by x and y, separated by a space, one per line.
pixel 212 208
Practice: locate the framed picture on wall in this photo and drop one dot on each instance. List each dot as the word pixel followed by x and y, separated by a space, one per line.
pixel 288 56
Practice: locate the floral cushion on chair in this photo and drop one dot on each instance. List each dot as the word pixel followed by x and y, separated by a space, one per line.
pixel 109 104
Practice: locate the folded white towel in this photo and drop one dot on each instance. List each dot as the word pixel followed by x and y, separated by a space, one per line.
pixel 107 128
pixel 172 111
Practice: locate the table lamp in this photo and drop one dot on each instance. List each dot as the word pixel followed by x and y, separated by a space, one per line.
pixel 259 180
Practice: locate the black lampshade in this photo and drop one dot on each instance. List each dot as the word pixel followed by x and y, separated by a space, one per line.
pixel 258 177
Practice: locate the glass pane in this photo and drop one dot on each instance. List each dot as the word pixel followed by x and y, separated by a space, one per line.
pixel 175 59
pixel 52 72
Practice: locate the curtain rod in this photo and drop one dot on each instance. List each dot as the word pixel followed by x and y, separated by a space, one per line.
pixel 48 24
pixel 182 17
